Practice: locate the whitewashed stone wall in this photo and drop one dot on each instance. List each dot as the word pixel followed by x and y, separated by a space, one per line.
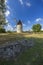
pixel 19 28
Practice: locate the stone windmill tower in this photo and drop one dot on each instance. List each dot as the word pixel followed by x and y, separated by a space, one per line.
pixel 19 26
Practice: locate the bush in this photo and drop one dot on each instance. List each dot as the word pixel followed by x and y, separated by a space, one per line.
pixel 2 30
pixel 9 31
pixel 36 28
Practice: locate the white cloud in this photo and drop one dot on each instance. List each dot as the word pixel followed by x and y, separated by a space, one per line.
pixel 8 7
pixel 26 28
pixel 9 27
pixel 25 3
pixel 24 24
pixel 28 4
pixel 21 2
pixel 14 28
pixel 7 13
pixel 39 19
pixel 6 1
pixel 6 21
pixel 29 22
pixel 42 29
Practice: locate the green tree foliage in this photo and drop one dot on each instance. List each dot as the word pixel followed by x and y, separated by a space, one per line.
pixel 36 28
pixel 2 10
pixel 2 15
pixel 2 30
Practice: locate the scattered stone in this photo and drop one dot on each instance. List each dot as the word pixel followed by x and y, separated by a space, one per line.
pixel 13 49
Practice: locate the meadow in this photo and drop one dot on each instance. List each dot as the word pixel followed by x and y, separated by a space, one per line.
pixel 32 56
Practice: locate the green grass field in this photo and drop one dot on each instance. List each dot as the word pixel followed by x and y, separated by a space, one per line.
pixel 32 56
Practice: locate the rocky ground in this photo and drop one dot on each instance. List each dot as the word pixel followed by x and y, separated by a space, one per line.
pixel 11 50
pixel 21 49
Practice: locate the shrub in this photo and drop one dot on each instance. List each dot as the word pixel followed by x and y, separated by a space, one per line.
pixel 36 28
pixel 2 30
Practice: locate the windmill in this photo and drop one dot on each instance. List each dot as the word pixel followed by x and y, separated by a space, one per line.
pixel 18 26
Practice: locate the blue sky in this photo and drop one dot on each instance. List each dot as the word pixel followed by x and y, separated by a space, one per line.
pixel 28 11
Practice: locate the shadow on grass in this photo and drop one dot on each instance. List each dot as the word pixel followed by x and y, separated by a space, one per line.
pixel 33 56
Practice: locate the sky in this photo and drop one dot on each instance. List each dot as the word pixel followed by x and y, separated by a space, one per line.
pixel 30 12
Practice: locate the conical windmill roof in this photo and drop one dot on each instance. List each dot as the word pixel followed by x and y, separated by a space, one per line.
pixel 19 22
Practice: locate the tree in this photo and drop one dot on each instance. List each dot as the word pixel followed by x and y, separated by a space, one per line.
pixel 2 15
pixel 36 28
pixel 2 11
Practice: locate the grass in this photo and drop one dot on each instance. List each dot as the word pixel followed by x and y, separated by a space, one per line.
pixel 33 56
